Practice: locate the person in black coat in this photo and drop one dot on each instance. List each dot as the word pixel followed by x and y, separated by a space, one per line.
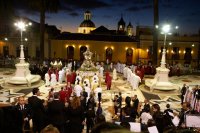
pixel 126 115
pixel 183 91
pixel 169 117
pixel 158 117
pixel 90 118
pixel 135 102
pixel 23 114
pixel 37 111
pixel 56 112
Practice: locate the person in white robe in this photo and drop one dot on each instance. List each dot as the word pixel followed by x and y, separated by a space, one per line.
pixel 88 90
pixel 47 78
pixel 53 79
pixel 77 90
pixel 94 84
pixel 125 72
pixel 101 71
pixel 78 77
pixel 136 82
pixel 60 76
pixel 128 74
pixel 114 74
pixel 86 81
pixel 63 75
pixel 95 77
pixel 98 93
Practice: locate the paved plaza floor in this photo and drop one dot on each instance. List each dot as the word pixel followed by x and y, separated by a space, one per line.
pixel 119 85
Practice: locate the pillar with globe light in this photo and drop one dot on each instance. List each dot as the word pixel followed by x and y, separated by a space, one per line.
pixel 22 78
pixel 161 79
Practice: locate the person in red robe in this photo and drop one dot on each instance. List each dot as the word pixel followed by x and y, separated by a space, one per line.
pixel 69 78
pixel 139 73
pixel 73 77
pixel 107 74
pixel 63 95
pixel 108 82
pixel 57 74
pixel 50 71
pixel 69 91
pixel 142 72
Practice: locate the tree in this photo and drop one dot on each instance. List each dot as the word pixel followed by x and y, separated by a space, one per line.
pixel 155 34
pixel 43 6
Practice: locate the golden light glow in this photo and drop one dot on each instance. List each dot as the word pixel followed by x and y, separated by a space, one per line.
pixel 132 48
pixel 159 51
pixel 184 51
pixel 179 51
pixel 167 51
pixel 126 48
pixel 66 46
pixel 80 46
pixel 105 48
pixel 172 51
pixel 112 47
pixel 192 52
pixel 73 46
pixel 147 50
pixel 87 46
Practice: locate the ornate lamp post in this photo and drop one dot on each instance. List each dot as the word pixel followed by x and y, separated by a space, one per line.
pixel 166 31
pixel 22 27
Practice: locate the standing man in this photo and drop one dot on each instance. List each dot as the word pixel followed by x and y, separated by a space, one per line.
pixel 98 93
pixel 183 91
pixel 23 114
pixel 56 111
pixel 37 111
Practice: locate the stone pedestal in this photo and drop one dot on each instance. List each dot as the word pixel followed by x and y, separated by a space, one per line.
pixel 22 77
pixel 161 80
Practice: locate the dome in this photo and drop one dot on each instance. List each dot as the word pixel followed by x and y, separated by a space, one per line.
pixel 87 23
pixel 121 21
pixel 87 12
pixel 129 25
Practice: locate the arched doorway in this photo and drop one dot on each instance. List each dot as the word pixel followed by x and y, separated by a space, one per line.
pixel 109 53
pixel 70 53
pixel 129 56
pixel 82 50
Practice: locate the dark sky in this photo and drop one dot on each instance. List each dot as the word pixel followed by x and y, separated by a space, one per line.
pixel 184 13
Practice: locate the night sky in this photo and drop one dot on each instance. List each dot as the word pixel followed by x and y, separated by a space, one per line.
pixel 184 13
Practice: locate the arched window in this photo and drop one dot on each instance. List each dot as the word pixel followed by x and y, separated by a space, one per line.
pixel 188 55
pixel 109 53
pixel 129 56
pixel 82 50
pixel 70 53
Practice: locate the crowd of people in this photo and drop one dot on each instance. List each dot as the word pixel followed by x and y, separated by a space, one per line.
pixel 78 104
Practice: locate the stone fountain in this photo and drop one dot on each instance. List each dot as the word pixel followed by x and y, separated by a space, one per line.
pixel 161 79
pixel 22 78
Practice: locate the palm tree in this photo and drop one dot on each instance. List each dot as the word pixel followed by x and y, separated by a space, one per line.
pixel 155 35
pixel 43 6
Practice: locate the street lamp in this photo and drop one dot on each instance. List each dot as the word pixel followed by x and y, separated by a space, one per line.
pixel 22 27
pixel 166 31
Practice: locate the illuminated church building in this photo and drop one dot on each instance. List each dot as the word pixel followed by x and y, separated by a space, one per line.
pixel 128 43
